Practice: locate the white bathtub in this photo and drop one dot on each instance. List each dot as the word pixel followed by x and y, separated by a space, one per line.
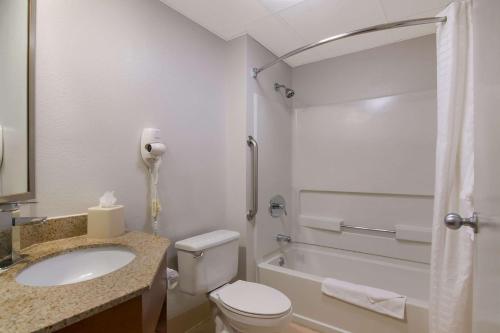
pixel 306 266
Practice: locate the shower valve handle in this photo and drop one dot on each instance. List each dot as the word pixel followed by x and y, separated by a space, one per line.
pixel 277 206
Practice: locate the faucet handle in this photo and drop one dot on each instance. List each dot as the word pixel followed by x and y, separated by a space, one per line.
pixel 28 220
pixel 283 238
pixel 9 207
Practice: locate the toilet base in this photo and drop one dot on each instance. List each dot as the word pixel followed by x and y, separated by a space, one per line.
pixel 221 326
pixel 230 322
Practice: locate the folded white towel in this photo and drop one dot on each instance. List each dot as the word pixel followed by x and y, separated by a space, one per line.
pixel 378 300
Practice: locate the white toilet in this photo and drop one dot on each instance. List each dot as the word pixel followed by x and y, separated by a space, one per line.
pixel 207 263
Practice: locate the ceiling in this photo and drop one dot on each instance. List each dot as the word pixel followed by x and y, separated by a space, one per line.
pixel 284 25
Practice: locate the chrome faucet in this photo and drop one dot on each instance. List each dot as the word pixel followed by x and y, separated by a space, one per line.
pixel 9 221
pixel 283 238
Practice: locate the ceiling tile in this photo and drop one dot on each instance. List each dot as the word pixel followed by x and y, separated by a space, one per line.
pixel 316 19
pixel 401 9
pixel 276 5
pixel 275 34
pixel 298 22
pixel 226 18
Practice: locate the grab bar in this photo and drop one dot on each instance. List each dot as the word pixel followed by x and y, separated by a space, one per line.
pixel 367 229
pixel 255 178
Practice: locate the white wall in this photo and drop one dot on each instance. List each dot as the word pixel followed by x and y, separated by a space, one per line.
pixel 270 122
pixel 487 163
pixel 13 96
pixel 254 108
pixel 107 69
pixel 236 135
pixel 364 146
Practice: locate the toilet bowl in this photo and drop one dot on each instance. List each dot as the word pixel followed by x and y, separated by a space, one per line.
pixel 249 307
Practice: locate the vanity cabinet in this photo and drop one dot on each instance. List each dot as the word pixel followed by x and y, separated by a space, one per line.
pixel 123 318
pixel 137 315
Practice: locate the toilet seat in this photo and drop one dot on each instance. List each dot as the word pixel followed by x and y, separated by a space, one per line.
pixel 254 300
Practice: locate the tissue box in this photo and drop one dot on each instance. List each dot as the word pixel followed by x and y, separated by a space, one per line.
pixel 105 222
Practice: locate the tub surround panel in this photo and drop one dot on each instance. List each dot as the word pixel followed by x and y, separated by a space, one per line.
pixel 394 69
pixel 379 145
pixel 375 170
pixel 373 210
pixel 366 243
pixel 364 147
pixel 30 309
pixel 273 132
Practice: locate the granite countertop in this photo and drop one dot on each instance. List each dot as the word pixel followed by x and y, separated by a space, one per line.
pixel 46 309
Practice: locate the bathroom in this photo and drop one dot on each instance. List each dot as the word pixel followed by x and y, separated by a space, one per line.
pixel 245 166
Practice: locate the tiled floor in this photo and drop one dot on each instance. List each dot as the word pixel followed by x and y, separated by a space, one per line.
pixel 207 326
pixel 294 328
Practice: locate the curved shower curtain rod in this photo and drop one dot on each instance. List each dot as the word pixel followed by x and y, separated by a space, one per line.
pixel 373 28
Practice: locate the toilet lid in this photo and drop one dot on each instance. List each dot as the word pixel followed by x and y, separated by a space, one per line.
pixel 255 299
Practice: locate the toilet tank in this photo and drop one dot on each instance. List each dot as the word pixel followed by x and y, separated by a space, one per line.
pixel 207 261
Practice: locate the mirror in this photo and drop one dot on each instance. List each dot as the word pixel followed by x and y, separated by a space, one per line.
pixel 16 100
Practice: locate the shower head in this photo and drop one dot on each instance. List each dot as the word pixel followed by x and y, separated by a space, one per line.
pixel 289 93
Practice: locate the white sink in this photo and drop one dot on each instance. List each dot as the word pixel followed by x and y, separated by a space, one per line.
pixel 76 266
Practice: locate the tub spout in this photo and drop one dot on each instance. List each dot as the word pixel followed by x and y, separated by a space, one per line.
pixel 283 238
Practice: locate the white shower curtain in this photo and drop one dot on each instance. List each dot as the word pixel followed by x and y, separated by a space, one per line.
pixel 450 307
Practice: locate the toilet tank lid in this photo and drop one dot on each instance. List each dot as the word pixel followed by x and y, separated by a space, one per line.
pixel 208 240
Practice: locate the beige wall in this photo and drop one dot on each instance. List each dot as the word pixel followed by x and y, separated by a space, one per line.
pixel 107 69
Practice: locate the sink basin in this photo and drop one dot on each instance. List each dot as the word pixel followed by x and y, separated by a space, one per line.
pixel 76 266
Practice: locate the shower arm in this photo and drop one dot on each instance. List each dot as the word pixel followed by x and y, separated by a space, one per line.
pixel 373 28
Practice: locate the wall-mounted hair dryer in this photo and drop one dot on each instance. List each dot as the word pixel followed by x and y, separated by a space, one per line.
pixel 151 151
pixel 151 146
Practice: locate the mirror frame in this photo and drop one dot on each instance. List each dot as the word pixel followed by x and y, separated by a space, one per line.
pixel 30 194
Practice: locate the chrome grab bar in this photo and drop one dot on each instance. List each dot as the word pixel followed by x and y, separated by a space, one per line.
pixel 367 228
pixel 255 178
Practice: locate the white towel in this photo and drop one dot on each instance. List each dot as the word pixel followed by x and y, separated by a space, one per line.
pixel 378 300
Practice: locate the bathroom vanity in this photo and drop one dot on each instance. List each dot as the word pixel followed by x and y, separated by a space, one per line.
pixel 128 299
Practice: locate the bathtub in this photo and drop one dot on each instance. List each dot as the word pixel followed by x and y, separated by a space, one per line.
pixel 298 270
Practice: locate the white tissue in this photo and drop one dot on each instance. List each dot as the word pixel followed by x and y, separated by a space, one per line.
pixel 107 200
